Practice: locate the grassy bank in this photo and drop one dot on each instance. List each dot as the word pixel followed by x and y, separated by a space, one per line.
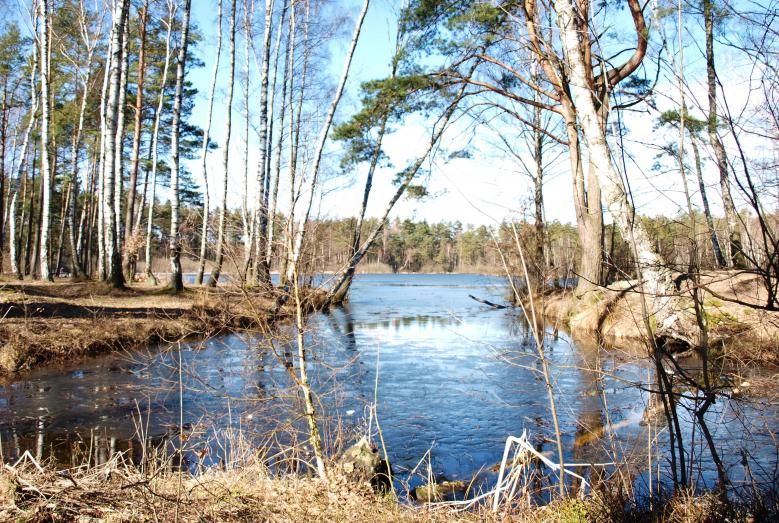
pixel 44 322
pixel 120 492
pixel 731 303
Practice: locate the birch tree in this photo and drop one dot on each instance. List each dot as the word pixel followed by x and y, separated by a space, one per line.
pixel 112 151
pixel 131 232
pixel 217 269
pixel 21 175
pixel 261 271
pixel 45 164
pixel 655 278
pixel 204 148
pixel 295 245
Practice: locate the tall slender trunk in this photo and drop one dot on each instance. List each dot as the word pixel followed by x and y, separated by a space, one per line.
pixel 311 183
pixel 101 232
pixel 248 226
pixel 120 128
pixel 155 142
pixel 176 280
pixel 407 176
pixel 65 205
pixel 45 165
pixel 204 149
pixel 261 271
pixel 21 174
pixel 28 262
pixel 270 181
pixel 131 232
pixel 280 144
pixel 112 145
pixel 3 138
pixel 734 236
pixel 718 256
pixel 217 269
pixel 294 134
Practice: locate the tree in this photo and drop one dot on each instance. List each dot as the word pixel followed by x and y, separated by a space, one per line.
pixel 112 150
pixel 217 269
pixel 205 147
pixel 176 283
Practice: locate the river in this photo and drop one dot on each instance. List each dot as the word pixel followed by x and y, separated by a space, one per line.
pixel 450 377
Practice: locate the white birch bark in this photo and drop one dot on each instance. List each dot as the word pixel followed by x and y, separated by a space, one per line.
pixel 280 145
pixel 45 164
pixel 261 274
pixel 248 226
pixel 204 149
pixel 217 269
pixel 120 127
pixel 655 278
pixel 311 182
pixel 20 170
pixel 115 275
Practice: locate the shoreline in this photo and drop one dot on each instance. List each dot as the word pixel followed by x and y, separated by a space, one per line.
pixel 63 321
pixel 736 332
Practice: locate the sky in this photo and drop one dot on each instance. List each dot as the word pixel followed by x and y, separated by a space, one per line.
pixel 489 186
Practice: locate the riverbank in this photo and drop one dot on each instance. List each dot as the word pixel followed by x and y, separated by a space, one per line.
pixel 117 492
pixel 738 327
pixel 62 321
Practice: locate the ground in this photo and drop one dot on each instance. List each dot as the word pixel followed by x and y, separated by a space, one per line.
pixel 731 304
pixel 44 322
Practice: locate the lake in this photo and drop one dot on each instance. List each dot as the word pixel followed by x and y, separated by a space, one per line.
pixel 450 377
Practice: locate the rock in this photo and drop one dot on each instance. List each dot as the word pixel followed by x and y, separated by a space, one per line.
pixel 361 462
pixel 438 491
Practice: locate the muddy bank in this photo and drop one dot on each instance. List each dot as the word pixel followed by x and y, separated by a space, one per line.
pixel 731 304
pixel 63 321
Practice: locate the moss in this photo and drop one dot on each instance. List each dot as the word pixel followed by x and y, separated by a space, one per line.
pixel 712 302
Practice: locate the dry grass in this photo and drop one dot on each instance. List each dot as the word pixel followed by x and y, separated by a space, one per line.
pixel 747 334
pixel 120 492
pixel 44 322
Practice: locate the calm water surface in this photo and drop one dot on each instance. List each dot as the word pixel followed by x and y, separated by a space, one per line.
pixel 455 378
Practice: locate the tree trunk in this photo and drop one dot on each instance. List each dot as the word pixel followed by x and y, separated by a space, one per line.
pixel 718 256
pixel 261 269
pixel 131 232
pixel 217 269
pixel 112 149
pixel 311 183
pixel 338 291
pixel 45 166
pixel 21 174
pixel 176 283
pixel 155 144
pixel 655 278
pixel 279 146
pixel 204 150
pixel 731 216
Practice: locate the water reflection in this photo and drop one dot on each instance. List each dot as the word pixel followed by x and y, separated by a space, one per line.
pixel 454 377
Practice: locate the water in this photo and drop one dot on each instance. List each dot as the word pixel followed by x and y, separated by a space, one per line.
pixel 451 379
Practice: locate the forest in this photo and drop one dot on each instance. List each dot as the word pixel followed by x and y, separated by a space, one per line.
pixel 200 169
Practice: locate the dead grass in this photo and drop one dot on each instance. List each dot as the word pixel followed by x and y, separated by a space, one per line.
pixel 746 333
pixel 120 492
pixel 60 321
